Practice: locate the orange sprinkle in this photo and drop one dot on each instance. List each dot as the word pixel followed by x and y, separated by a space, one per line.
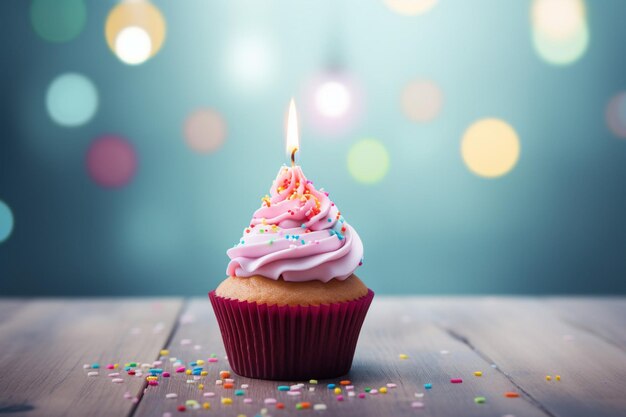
pixel 510 394
pixel 305 405
pixel 229 385
pixel 224 374
pixel 344 382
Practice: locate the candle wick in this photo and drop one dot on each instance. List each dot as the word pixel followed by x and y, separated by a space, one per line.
pixel 293 156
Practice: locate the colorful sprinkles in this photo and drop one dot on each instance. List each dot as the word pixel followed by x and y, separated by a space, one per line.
pixel 229 389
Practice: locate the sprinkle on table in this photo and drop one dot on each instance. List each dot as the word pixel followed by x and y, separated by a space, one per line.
pixel 403 356
pixel 511 394
pixel 478 373
pixel 480 400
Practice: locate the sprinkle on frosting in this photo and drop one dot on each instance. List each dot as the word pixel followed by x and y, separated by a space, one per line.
pixel 297 234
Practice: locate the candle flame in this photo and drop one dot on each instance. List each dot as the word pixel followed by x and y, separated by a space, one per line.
pixel 293 142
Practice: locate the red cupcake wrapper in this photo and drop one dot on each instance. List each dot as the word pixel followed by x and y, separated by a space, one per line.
pixel 290 342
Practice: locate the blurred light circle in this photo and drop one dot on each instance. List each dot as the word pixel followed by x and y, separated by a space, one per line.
pixel 251 61
pixel 58 20
pixel 561 51
pixel 368 161
pixel 333 102
pixel 205 130
pixel 72 99
pixel 490 148
pixel 140 14
pixel 332 99
pixel 558 19
pixel 421 100
pixel 6 221
pixel 410 7
pixel 111 161
pixel 616 115
pixel 133 45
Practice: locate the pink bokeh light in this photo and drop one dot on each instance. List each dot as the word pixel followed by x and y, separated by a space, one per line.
pixel 111 161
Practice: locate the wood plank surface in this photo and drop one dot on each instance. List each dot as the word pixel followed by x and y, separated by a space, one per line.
pixel 9 307
pixel 604 317
pixel 387 332
pixel 527 342
pixel 44 345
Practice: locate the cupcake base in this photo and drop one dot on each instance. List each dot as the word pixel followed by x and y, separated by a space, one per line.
pixel 290 342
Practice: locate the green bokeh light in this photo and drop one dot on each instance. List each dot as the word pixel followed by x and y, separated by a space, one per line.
pixel 72 99
pixel 58 20
pixel 368 161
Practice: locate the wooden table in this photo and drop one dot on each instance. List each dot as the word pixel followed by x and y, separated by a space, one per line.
pixel 515 342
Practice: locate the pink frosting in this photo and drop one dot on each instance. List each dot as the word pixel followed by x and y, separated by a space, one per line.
pixel 297 234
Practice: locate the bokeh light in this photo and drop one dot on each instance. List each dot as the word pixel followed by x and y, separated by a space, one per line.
pixel 251 61
pixel 558 19
pixel 560 32
pixel 561 51
pixel 490 148
pixel 58 20
pixel 133 45
pixel 368 161
pixel 205 130
pixel 6 221
pixel 332 99
pixel 72 99
pixel 111 161
pixel 616 115
pixel 333 102
pixel 421 100
pixel 410 7
pixel 137 14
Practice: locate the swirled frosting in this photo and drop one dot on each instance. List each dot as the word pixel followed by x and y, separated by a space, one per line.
pixel 297 234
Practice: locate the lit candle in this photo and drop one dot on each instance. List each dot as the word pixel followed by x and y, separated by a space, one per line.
pixel 293 142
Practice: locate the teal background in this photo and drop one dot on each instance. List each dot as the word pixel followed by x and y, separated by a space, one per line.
pixel 555 224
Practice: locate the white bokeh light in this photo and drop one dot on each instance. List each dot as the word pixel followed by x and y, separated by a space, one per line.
pixel 251 61
pixel 133 45
pixel 558 19
pixel 332 99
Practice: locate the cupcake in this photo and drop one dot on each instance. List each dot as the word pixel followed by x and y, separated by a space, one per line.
pixel 291 307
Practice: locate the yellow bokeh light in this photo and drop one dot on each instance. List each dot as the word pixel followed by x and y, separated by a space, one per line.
pixel 490 148
pixel 410 7
pixel 368 161
pixel 141 14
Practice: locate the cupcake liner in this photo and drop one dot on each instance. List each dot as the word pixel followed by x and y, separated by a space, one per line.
pixel 290 342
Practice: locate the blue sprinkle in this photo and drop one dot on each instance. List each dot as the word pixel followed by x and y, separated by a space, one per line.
pixel 283 388
pixel 303 226
pixel 239 392
pixel 95 365
pixel 331 386
pixel 193 363
pixel 296 237
pixel 127 368
pixel 303 242
pixel 329 220
pixel 428 386
pixel 286 236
